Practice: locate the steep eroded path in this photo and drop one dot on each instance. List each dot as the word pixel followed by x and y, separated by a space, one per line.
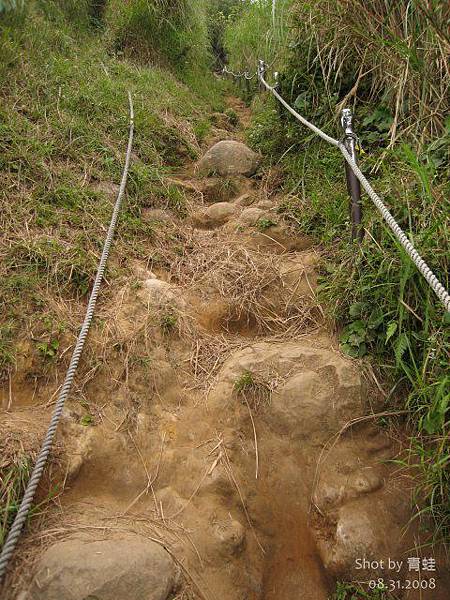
pixel 225 435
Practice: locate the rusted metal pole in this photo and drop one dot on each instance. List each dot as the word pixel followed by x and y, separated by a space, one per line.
pixel 353 185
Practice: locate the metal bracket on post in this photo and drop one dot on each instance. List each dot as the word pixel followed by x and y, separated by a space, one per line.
pixel 261 74
pixel 247 85
pixel 276 85
pixel 353 184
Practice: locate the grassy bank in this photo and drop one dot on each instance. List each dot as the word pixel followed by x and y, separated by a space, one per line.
pixel 65 70
pixel 349 54
pixel 63 132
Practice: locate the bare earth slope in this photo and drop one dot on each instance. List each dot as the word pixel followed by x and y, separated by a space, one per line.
pixel 228 428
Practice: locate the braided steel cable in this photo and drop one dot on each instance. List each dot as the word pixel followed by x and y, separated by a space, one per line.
pixel 16 528
pixel 244 74
pixel 421 265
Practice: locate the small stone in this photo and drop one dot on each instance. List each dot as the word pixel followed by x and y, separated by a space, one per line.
pixel 245 200
pixel 250 216
pixel 265 204
pixel 215 215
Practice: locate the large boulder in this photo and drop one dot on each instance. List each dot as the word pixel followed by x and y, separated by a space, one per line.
pixel 229 158
pixel 317 392
pixel 128 567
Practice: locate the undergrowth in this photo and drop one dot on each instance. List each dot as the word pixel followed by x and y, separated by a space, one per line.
pixel 381 305
pixel 63 134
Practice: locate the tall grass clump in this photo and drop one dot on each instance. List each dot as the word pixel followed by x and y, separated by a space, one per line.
pixel 174 32
pixel 392 53
pixel 257 30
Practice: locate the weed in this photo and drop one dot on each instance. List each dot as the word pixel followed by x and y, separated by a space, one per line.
pixel 48 350
pixel 87 420
pixel 264 224
pixel 253 389
pixel 13 481
pixel 202 129
pixel 176 199
pixel 6 346
pixel 232 117
pixel 244 382
pixel 350 591
pixel 169 322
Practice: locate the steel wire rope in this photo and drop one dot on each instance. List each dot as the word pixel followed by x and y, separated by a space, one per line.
pixel 421 265
pixel 25 505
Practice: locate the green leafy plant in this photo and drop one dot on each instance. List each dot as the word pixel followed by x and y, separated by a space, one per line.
pixel 48 350
pixel 244 382
pixel 169 322
pixel 264 224
pixel 232 117
pixel 13 480
pixel 358 334
pixel 87 420
pixel 351 591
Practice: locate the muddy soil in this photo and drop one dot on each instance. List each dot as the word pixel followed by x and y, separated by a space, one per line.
pixel 237 436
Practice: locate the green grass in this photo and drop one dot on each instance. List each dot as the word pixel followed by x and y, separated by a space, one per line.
pixel 244 382
pixel 63 135
pixel 252 33
pixel 169 322
pixel 350 591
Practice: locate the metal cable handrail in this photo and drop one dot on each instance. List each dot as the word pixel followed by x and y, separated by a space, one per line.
pixel 421 265
pixel 245 74
pixel 25 505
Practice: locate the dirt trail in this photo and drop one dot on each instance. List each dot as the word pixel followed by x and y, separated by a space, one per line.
pixel 215 439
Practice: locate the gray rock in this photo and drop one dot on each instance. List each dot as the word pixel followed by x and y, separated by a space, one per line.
pixel 265 204
pixel 229 158
pixel 245 200
pixel 215 215
pixel 250 216
pixel 125 568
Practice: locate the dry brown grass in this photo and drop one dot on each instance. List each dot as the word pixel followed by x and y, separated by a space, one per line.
pixel 249 283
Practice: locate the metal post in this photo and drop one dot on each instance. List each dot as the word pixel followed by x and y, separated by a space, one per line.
pixel 353 184
pixel 261 74
pixel 247 86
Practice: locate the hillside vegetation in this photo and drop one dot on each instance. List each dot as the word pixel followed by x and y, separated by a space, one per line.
pixel 65 71
pixel 209 298
pixel 389 61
